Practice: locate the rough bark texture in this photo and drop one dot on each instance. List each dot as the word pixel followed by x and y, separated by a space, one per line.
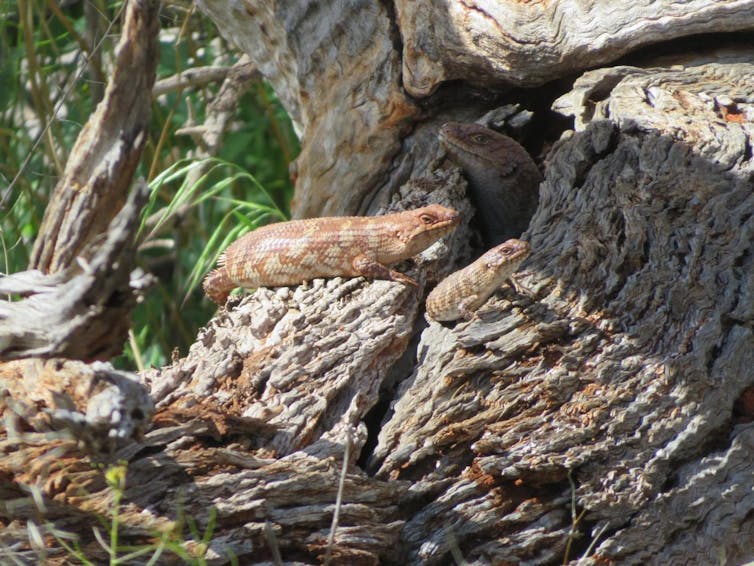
pixel 530 43
pixel 107 151
pixel 601 413
pixel 336 70
pixel 340 69
pixel 59 417
pixel 83 312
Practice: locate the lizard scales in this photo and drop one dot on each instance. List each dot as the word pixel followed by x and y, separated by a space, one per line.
pixel 464 291
pixel 289 253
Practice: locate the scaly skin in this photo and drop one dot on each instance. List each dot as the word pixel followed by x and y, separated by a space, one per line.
pixel 464 291
pixel 503 178
pixel 289 253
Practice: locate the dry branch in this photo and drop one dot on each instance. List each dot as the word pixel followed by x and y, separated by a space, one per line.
pixel 82 312
pixel 102 162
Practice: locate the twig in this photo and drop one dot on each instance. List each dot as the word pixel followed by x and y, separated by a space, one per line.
pixel 199 76
pixel 338 499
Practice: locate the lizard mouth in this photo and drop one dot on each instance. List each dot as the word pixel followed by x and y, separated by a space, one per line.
pixel 448 224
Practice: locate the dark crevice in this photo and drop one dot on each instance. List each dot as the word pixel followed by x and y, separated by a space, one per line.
pixel 546 125
pixel 588 531
pixel 743 406
pixel 537 136
pixel 375 418
pixel 645 251
pixel 702 43
pixel 726 326
pixel 671 481
pixel 747 149
pixel 373 421
pixel 627 266
pixel 716 442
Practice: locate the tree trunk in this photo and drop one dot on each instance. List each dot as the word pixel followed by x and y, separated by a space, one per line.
pixel 601 412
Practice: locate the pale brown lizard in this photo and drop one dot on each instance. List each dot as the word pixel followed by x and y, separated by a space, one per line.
pixel 503 178
pixel 464 291
pixel 289 253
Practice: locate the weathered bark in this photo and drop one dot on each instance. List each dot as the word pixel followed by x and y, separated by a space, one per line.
pixel 84 311
pixel 600 413
pixel 337 72
pixel 613 384
pixel 107 151
pixel 499 42
pixel 59 415
pixel 340 69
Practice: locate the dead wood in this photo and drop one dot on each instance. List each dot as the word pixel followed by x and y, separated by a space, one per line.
pixel 84 311
pixel 582 413
pixel 356 76
pixel 60 416
pixel 614 380
pixel 102 162
pixel 593 407
pixel 506 42
pixel 341 86
pixel 601 413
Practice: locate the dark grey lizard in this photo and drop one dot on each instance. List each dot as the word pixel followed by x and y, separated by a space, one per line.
pixel 503 178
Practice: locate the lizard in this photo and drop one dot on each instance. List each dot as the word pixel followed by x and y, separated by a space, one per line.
pixel 503 178
pixel 292 252
pixel 464 291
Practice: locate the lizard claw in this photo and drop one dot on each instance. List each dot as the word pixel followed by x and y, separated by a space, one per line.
pixel 400 277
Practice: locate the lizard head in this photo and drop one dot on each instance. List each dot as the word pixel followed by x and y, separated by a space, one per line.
pixel 510 253
pixel 474 146
pixel 427 225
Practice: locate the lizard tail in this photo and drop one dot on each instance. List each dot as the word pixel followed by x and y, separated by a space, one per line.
pixel 217 285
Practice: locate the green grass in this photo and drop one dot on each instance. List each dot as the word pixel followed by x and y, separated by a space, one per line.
pixel 44 51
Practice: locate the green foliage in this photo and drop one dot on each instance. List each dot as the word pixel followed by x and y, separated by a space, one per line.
pixel 54 60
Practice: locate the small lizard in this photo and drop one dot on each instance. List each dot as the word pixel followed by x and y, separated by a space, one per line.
pixel 289 253
pixel 503 178
pixel 464 291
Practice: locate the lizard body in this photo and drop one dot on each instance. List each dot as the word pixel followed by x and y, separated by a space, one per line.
pixel 289 253
pixel 464 291
pixel 503 178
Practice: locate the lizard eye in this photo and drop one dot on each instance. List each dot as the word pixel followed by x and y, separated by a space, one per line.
pixel 427 219
pixel 480 139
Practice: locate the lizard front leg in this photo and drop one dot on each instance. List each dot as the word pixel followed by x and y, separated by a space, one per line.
pixel 371 268
pixel 467 307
